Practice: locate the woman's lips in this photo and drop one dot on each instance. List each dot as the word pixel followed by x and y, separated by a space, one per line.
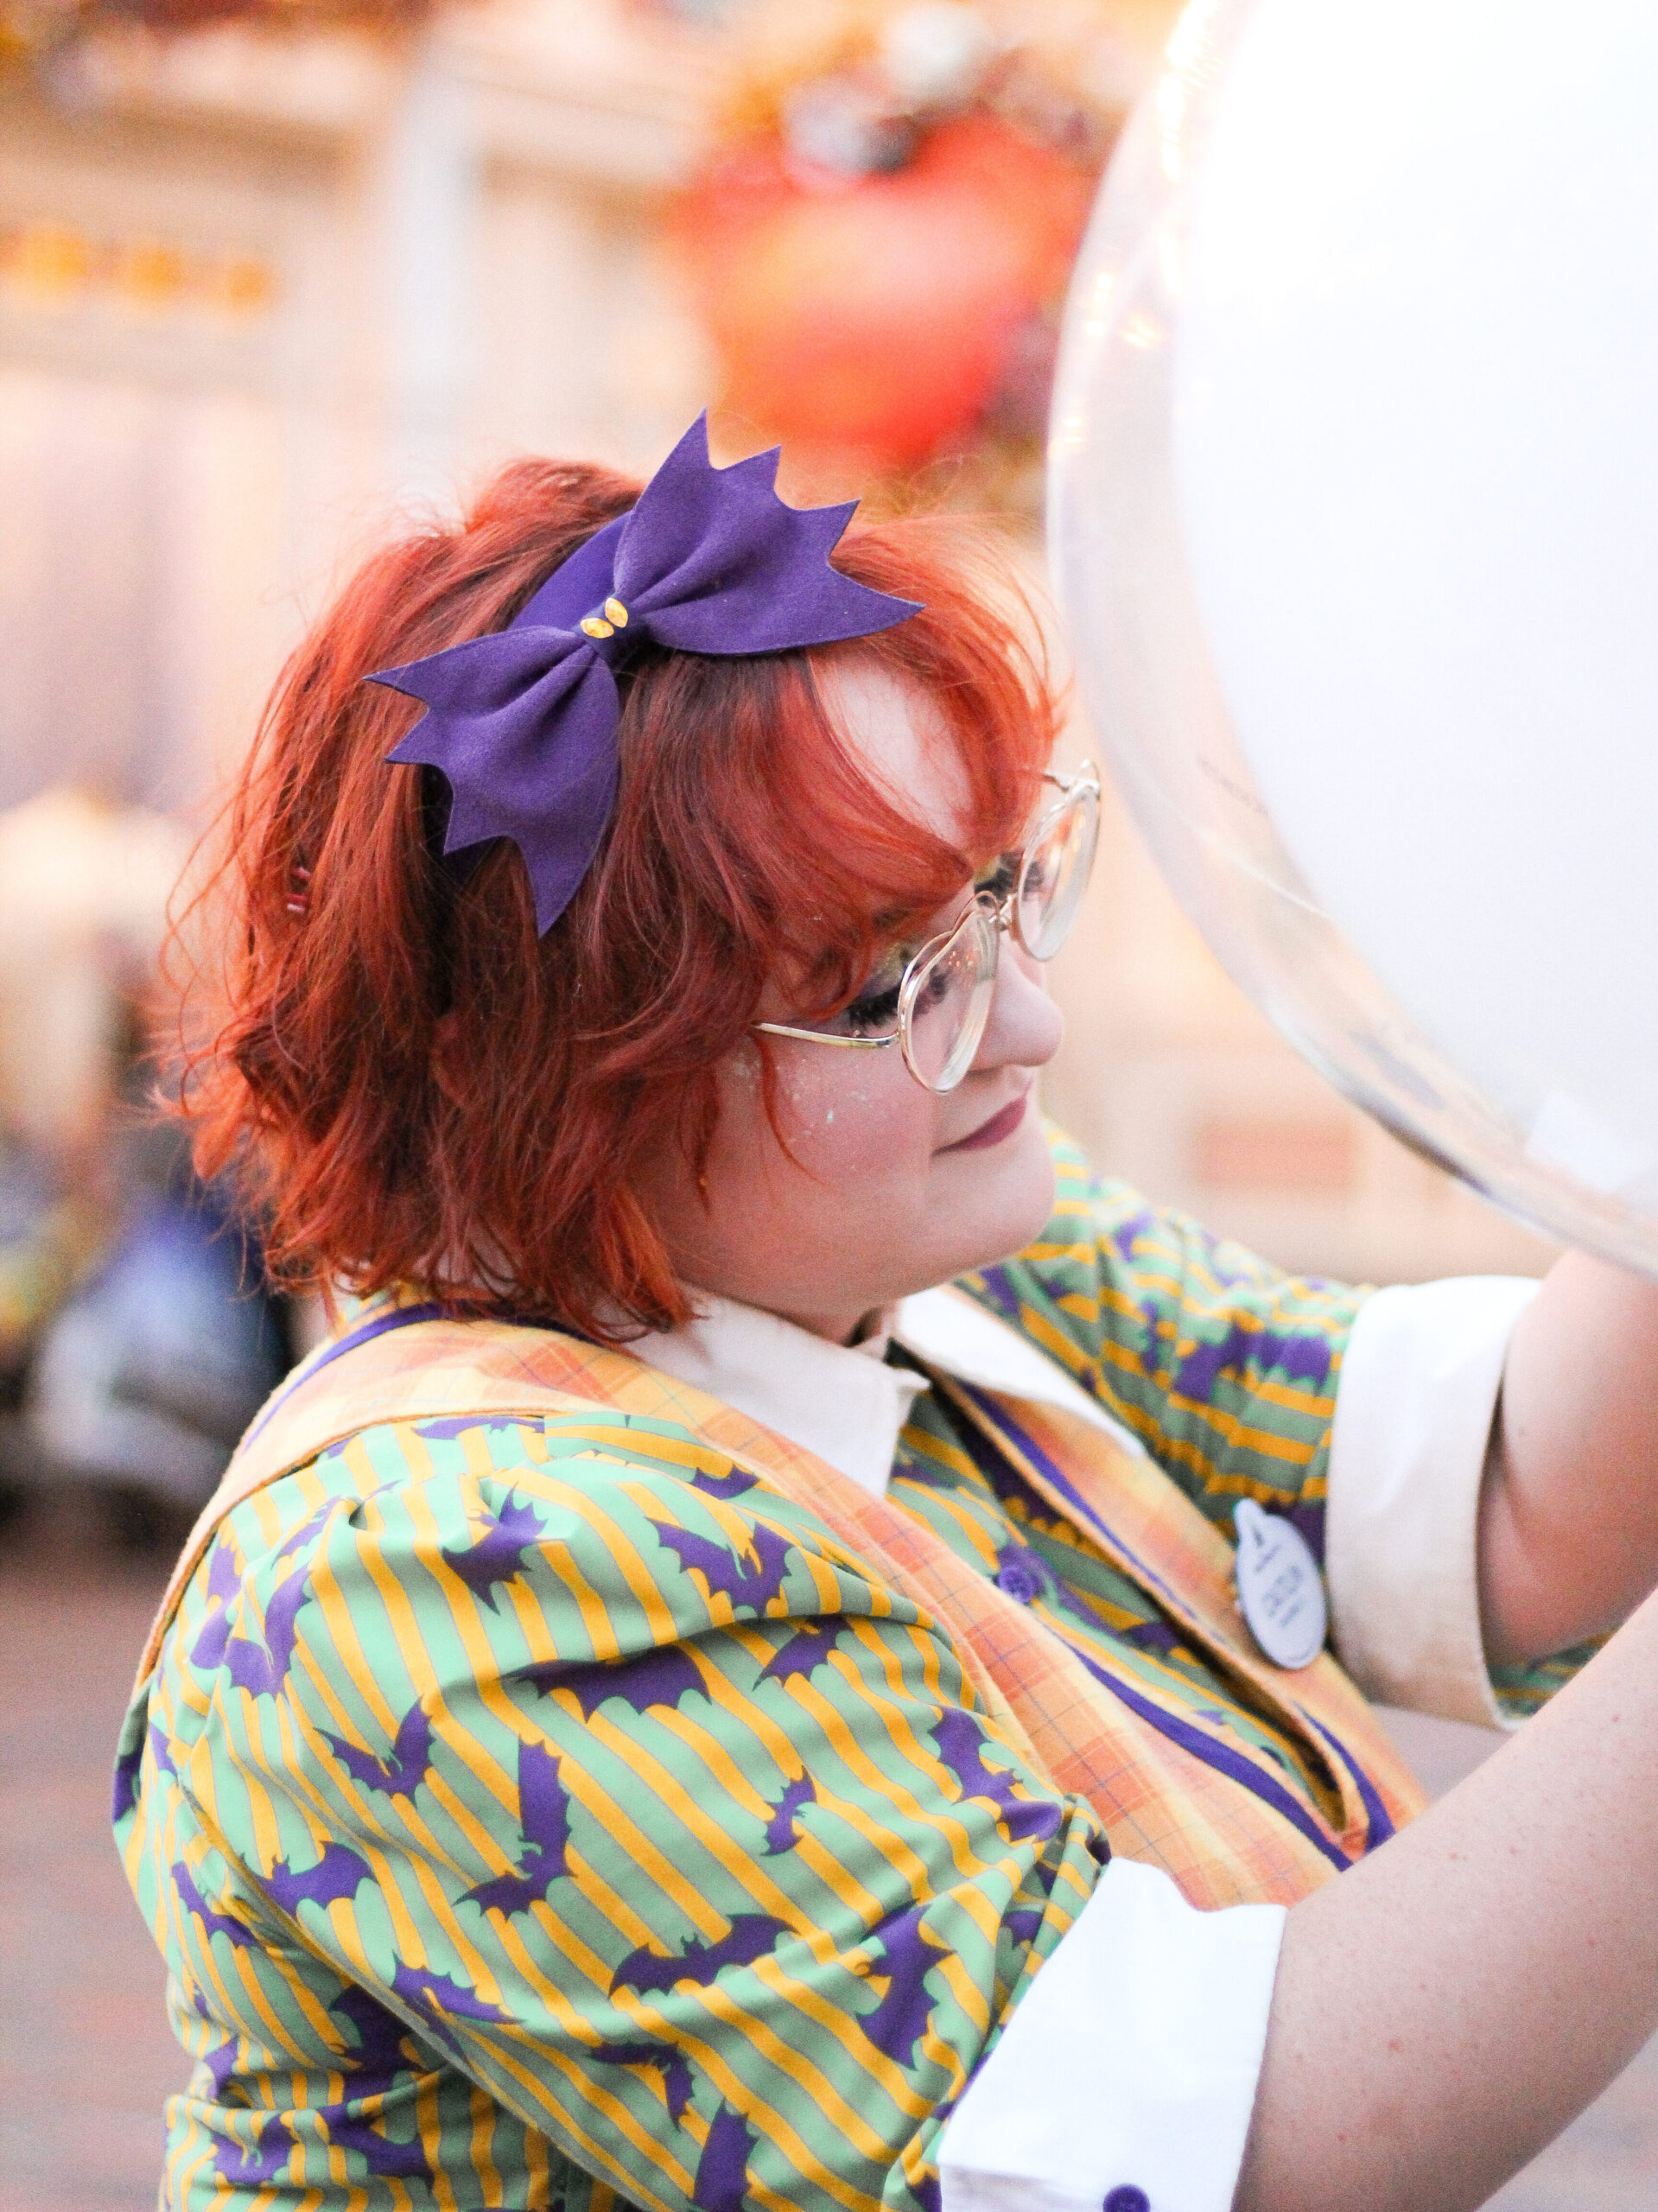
pixel 994 1130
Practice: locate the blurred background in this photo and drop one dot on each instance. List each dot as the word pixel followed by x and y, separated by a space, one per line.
pixel 271 275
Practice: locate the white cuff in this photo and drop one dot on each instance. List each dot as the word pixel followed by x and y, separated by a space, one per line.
pixel 1413 1413
pixel 1130 2063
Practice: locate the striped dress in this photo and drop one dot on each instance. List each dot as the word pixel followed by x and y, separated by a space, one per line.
pixel 534 1812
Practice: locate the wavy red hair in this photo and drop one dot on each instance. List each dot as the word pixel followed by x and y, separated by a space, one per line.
pixel 414 1088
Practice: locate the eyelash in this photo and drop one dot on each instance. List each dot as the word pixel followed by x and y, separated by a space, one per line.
pixel 873 1009
pixel 877 1008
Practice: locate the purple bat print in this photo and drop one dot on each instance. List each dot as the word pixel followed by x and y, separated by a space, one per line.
pixel 445 1429
pixel 220 2063
pixel 261 1668
pixel 497 1555
pixel 659 1677
pixel 384 2159
pixel 810 1645
pixel 161 1750
pixel 400 1773
pixel 307 1531
pixel 128 1767
pixel 260 2165
pixel 671 2064
pixel 207 1652
pixel 335 1875
pixel 1023 1925
pixel 960 1743
pixel 213 1923
pixel 438 2000
pixel 379 2056
pixel 750 1578
pixel 1150 1635
pixel 751 1935
pixel 721 2184
pixel 544 1822
pixel 224 1573
pixel 896 2023
pixel 780 1828
pixel 736 1484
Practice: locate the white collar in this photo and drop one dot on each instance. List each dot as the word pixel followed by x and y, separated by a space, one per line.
pixel 842 1401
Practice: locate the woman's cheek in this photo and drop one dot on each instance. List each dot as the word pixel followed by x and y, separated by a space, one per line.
pixel 859 1125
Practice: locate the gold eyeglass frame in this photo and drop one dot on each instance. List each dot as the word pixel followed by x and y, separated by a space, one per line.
pixel 985 910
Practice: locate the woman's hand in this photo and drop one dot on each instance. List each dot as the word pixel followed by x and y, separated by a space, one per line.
pixel 1444 2009
pixel 1568 1538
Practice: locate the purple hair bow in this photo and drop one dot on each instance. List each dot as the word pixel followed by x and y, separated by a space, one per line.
pixel 522 723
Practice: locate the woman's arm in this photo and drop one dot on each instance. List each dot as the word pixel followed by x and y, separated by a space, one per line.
pixel 1443 2010
pixel 1568 1536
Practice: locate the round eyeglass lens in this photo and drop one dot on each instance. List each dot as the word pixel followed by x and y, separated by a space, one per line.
pixel 946 1002
pixel 1056 871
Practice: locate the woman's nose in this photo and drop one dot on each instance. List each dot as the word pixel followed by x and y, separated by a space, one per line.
pixel 1026 1027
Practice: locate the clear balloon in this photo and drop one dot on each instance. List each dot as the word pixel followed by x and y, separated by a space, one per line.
pixel 1354 508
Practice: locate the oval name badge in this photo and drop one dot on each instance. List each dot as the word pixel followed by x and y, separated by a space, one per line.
pixel 1281 1590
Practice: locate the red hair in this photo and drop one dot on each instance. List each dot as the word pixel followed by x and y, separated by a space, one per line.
pixel 418 1089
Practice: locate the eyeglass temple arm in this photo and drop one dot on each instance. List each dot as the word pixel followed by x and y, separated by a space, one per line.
pixel 1088 774
pixel 822 1037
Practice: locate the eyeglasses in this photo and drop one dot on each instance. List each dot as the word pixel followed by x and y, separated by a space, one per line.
pixel 942 995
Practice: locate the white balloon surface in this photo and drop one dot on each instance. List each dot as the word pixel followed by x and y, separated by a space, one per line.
pixel 1354 518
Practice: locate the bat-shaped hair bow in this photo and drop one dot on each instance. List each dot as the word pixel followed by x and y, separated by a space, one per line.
pixel 522 723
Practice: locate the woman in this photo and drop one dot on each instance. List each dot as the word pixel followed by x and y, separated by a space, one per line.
pixel 719 1686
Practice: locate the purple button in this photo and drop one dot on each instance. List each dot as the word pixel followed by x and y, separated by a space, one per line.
pixel 1127 2198
pixel 1021 1577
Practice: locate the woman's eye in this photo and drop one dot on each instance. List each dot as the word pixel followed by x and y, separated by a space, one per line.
pixel 873 1009
pixel 1001 879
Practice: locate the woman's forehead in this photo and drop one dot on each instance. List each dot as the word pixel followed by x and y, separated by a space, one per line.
pixel 903 743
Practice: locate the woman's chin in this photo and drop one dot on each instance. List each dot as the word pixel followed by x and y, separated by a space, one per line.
pixel 998 1199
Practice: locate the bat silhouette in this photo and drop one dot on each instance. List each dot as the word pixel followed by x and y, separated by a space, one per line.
pixel 780 1829
pixel 128 1767
pixel 663 1676
pixel 220 2063
pixel 750 1937
pixel 671 2064
pixel 385 2160
pixel 734 1485
pixel 444 1428
pixel 379 2053
pixel 398 1774
pixel 752 1578
pixel 1150 1635
pixel 261 1668
pixel 721 2184
pixel 808 1647
pixel 335 1875
pixel 959 1742
pixel 895 2023
pixel 214 1924
pixel 497 1556
pixel 544 1823
pixel 309 1529
pixel 1023 1925
pixel 160 1749
pixel 438 2000
pixel 224 1573
pixel 248 2166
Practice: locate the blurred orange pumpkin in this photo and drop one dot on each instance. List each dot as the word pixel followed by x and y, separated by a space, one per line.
pixel 880 313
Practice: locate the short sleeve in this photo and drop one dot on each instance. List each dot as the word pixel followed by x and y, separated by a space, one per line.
pixel 1223 1366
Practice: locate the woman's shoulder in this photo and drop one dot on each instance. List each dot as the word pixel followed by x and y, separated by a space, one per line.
pixel 465 1531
